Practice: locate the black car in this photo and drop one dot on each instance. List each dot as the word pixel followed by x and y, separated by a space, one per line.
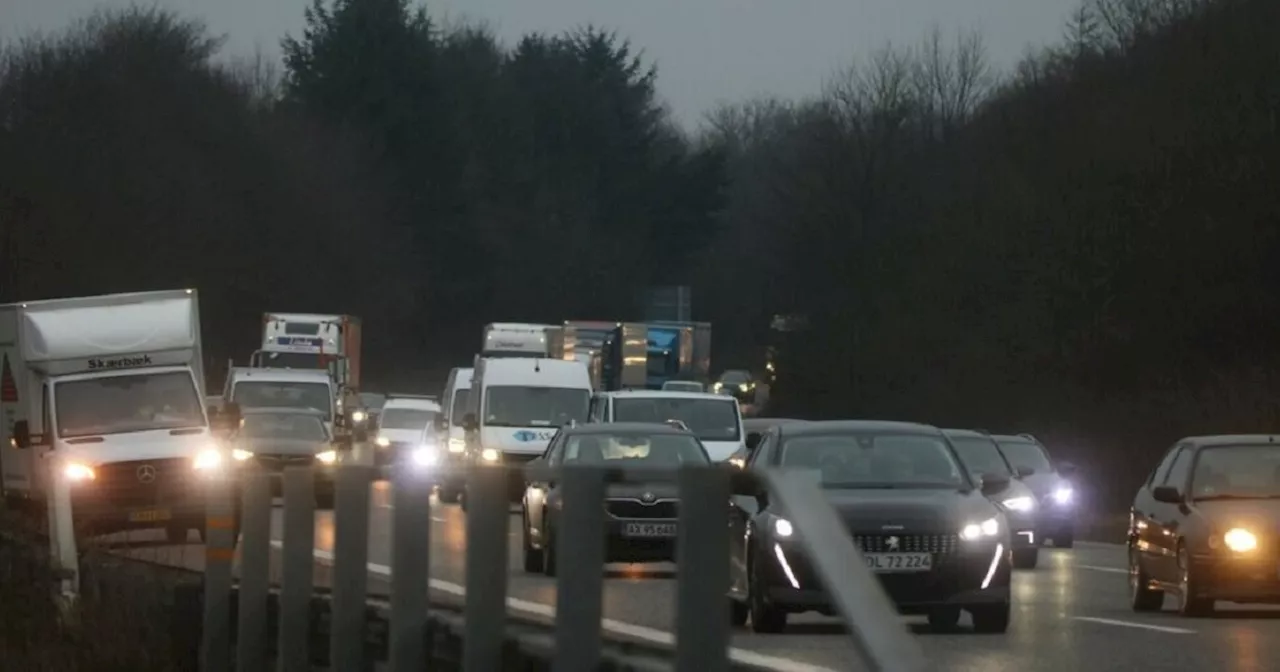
pixel 980 455
pixel 272 439
pixel 737 383
pixel 1051 482
pixel 937 544
pixel 1206 525
pixel 641 517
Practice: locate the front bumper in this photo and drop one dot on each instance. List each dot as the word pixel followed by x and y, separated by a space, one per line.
pixel 1237 578
pixel 640 540
pixel 117 499
pixel 965 578
pixel 1024 529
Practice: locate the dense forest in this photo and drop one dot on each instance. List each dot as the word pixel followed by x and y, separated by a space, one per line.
pixel 1082 248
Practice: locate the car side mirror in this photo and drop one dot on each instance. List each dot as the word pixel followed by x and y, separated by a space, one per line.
pixel 994 484
pixel 753 440
pixel 21 434
pixel 1066 468
pixel 1024 472
pixel 1167 494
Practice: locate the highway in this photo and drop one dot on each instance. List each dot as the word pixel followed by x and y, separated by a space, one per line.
pixel 1070 614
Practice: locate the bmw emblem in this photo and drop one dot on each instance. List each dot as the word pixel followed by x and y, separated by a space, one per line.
pixel 648 498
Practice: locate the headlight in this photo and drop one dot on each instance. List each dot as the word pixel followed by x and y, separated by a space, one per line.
pixel 717 386
pixel 240 455
pixel 782 527
pixel 738 462
pixel 1019 504
pixel 425 456
pixel 207 460
pixel 987 528
pixel 359 416
pixel 328 456
pixel 382 441
pixel 457 445
pixel 78 472
pixel 489 455
pixel 1240 540
pixel 743 387
pixel 1063 495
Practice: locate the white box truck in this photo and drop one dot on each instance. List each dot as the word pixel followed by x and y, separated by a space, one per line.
pixel 109 392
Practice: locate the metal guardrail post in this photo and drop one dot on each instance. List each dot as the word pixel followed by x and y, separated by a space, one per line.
pixel 350 567
pixel 62 532
pixel 579 548
pixel 410 563
pixel 878 635
pixel 220 542
pixel 702 619
pixel 297 573
pixel 255 558
pixel 486 607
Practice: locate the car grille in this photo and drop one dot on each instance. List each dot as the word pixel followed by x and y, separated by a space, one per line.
pixel 280 462
pixel 634 508
pixel 908 543
pixel 144 482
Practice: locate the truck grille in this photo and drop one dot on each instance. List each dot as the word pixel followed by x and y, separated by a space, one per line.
pixel 634 508
pixel 908 543
pixel 144 482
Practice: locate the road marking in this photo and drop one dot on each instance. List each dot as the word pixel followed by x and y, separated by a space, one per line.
pixel 438 519
pixel 740 656
pixel 1112 570
pixel 1131 624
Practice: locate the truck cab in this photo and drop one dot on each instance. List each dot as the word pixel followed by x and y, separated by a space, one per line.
pixel 105 395
pixel 715 419
pixel 312 341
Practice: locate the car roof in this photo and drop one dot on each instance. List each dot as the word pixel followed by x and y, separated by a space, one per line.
pixel 764 423
pixel 1229 440
pixel 284 410
pixel 829 426
pixel 625 428
pixel 970 433
pixel 665 394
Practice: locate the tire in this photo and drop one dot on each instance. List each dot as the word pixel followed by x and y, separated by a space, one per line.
pixel 943 619
pixel 765 618
pixel 532 556
pixel 1142 597
pixel 1190 604
pixel 1026 558
pixel 991 618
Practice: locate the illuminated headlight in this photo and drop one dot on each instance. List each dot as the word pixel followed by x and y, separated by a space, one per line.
pixel 1240 540
pixel 207 460
pixel 738 462
pixel 489 455
pixel 782 527
pixel 974 531
pixel 1063 495
pixel 78 472
pixel 240 455
pixel 1019 504
pixel 457 445
pixel 327 457
pixel 426 456
pixel 359 416
pixel 382 441
pixel 743 387
pixel 717 387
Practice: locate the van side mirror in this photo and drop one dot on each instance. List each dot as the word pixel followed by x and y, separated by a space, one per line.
pixel 21 434
pixel 1167 494
pixel 1024 472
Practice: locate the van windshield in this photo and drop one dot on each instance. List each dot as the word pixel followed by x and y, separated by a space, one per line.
pixel 709 419
pixel 460 397
pixel 519 406
pixel 129 403
pixel 284 394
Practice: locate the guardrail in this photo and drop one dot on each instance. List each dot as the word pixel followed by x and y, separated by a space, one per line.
pixel 702 633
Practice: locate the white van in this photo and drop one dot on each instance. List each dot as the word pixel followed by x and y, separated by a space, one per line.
pixel 716 419
pixel 401 424
pixel 251 387
pixel 457 392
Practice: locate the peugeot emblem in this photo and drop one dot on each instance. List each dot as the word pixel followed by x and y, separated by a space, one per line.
pixel 893 543
pixel 647 498
pixel 146 473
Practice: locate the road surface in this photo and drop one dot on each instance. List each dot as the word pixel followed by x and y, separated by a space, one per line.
pixel 1070 614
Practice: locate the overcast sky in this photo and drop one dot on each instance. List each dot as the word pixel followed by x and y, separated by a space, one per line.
pixel 707 51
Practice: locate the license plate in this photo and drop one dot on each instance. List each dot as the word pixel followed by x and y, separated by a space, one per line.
pixel 150 516
pixel 899 562
pixel 649 530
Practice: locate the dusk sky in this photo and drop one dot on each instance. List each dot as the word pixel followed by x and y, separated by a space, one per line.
pixel 707 51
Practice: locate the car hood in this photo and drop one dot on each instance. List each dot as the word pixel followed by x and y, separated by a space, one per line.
pixel 1249 513
pixel 401 435
pixel 282 446
pixel 910 510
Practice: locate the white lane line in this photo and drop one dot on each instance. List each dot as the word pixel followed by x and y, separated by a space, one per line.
pixel 438 519
pixel 1131 624
pixel 1111 570
pixel 741 656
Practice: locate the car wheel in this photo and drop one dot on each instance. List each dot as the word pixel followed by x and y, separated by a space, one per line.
pixel 532 556
pixel 765 617
pixel 738 613
pixel 1189 602
pixel 1026 558
pixel 944 618
pixel 548 550
pixel 991 618
pixel 1142 597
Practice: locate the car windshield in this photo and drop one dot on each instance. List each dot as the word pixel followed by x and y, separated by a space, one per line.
pixel 460 397
pixel 708 419
pixel 1237 472
pixel 980 456
pixel 647 450
pixel 735 377
pixel 875 460
pixel 406 418
pixel 1026 455
pixel 283 394
pixel 293 426
pixel 520 406
pixel 131 403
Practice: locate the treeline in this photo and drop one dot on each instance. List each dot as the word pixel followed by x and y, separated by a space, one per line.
pixel 1082 248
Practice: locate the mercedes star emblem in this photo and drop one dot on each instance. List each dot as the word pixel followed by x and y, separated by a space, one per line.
pixel 647 498
pixel 893 543
pixel 146 473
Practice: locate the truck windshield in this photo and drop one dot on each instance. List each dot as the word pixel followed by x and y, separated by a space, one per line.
pixel 518 406
pixel 406 418
pixel 284 394
pixel 460 397
pixel 708 419
pixel 130 403
pixel 295 360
